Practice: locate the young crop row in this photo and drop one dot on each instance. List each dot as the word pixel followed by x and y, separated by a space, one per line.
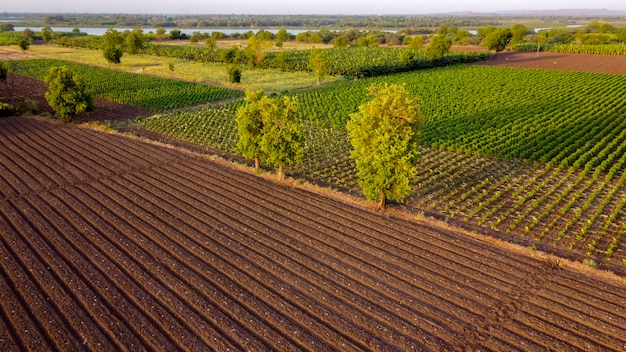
pixel 139 90
pixel 567 119
pixel 603 49
pixel 565 210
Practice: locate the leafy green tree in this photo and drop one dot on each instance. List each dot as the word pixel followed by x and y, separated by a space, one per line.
pixel 28 34
pixel 282 35
pixel 135 41
pixel 112 46
pixel 282 140
pixel 497 40
pixel 195 37
pixel 176 34
pixel 462 37
pixel 315 38
pixel 439 46
pixel 318 63
pixel 113 54
pixel 250 125
pixel 210 43
pixel 384 134
pixel 620 34
pixel 160 34
pixel 234 74
pixel 341 42
pixel 24 44
pixel 47 33
pixel 6 27
pixel 218 35
pixel 606 28
pixel 67 94
pixel 518 33
pixel 415 42
pixel 593 26
pixel 257 48
pixel 264 35
pixel 485 31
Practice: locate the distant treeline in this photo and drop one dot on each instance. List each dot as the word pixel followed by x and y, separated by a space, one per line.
pixel 253 21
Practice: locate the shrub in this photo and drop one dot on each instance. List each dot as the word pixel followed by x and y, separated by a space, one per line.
pixel 5 109
pixel 234 74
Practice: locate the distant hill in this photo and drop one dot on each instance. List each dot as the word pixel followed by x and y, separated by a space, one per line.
pixel 539 13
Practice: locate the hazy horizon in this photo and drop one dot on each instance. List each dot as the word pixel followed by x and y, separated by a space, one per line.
pixel 287 7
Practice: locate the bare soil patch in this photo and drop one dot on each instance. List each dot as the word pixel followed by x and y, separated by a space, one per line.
pixel 612 64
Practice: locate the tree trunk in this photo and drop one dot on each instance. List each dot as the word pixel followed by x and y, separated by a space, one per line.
pixel 281 173
pixel 382 201
pixel 538 47
pixel 257 163
pixel 319 81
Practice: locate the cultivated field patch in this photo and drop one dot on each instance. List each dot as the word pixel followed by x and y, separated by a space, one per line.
pixel 110 243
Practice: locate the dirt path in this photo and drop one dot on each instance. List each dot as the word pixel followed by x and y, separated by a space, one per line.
pixel 109 243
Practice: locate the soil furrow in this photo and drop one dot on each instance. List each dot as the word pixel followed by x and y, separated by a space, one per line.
pixel 360 230
pixel 9 339
pixel 25 328
pixel 10 186
pixel 580 331
pixel 114 306
pixel 70 169
pixel 389 227
pixel 273 263
pixel 137 243
pixel 16 170
pixel 149 303
pixel 331 268
pixel 595 318
pixel 40 283
pixel 66 149
pixel 227 259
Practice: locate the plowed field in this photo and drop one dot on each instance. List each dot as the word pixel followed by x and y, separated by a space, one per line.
pixel 111 244
pixel 612 64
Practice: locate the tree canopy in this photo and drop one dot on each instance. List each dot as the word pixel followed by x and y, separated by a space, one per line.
pixel 384 134
pixel 135 40
pixel 439 45
pixel 257 47
pixel 250 125
pixel 267 129
pixel 67 94
pixel 282 141
pixel 113 46
pixel 318 63
pixel 497 40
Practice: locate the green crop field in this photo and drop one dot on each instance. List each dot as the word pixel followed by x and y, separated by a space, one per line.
pixel 139 90
pixel 536 156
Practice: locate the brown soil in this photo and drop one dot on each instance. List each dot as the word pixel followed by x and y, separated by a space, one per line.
pixel 613 64
pixel 35 90
pixel 112 244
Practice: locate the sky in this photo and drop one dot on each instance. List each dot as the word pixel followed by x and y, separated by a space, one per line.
pixel 292 7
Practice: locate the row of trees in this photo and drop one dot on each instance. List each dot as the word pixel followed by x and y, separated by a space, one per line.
pixel 260 21
pixel 593 33
pixel 116 43
pixel 268 130
pixel 384 134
